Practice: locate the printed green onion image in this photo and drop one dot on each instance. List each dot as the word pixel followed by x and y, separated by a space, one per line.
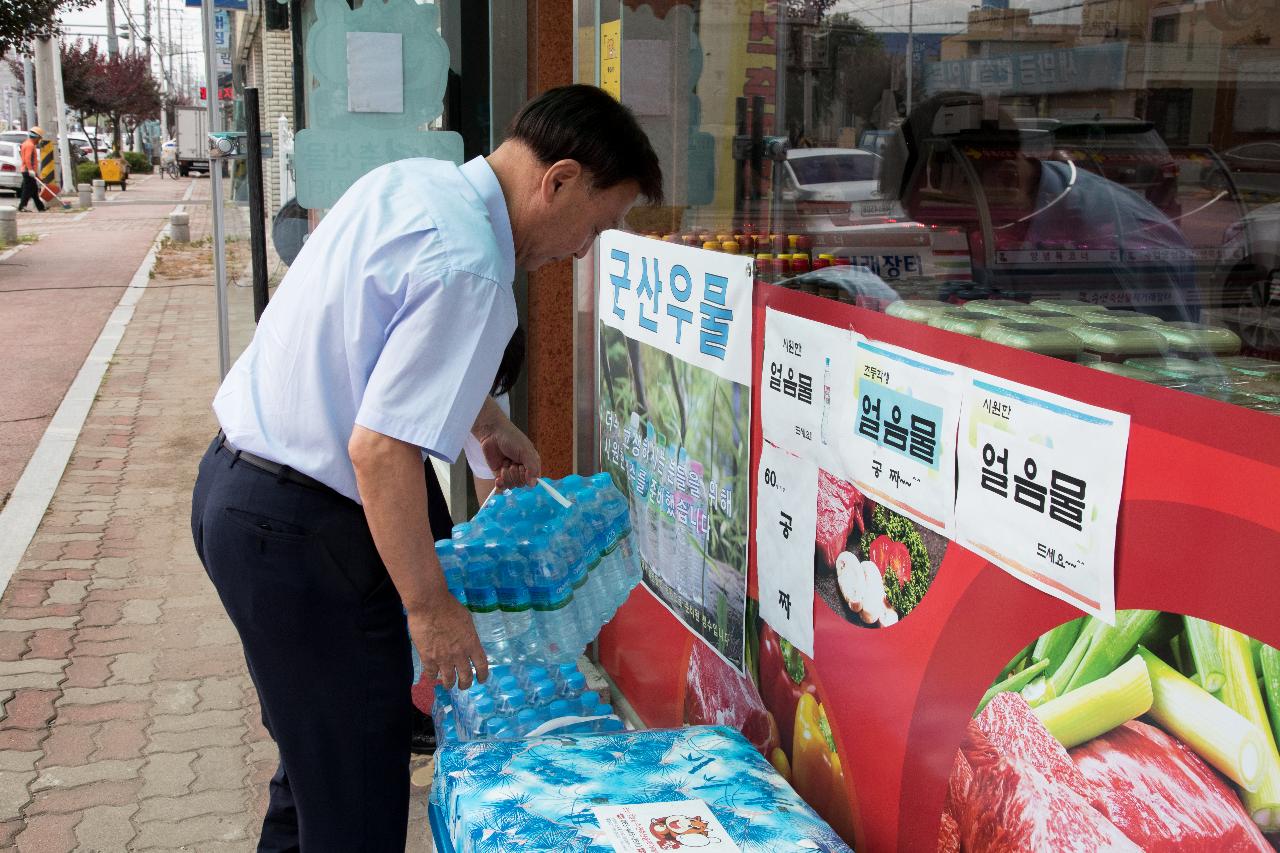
pixel 1156 733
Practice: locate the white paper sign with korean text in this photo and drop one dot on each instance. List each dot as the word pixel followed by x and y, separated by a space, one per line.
pixel 659 827
pixel 692 303
pixel 901 448
pixel 1040 477
pixel 786 529
pixel 806 384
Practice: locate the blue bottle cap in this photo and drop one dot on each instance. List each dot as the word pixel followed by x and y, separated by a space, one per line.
pixel 463 530
pixel 508 682
pixel 527 720
pixel 515 698
pixel 544 689
pixel 576 682
pixel 484 707
pixel 567 669
pixel 535 673
pixel 498 672
pixel 613 724
pixel 561 708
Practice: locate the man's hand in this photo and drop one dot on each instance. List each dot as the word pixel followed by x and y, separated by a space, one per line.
pixel 508 452
pixel 394 491
pixel 447 642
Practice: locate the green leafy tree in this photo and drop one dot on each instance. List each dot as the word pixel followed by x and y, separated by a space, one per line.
pixel 21 21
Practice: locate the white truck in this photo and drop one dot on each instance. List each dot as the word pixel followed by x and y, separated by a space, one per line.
pixel 192 132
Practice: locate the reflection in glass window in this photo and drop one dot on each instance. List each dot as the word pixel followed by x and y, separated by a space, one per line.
pixel 1076 166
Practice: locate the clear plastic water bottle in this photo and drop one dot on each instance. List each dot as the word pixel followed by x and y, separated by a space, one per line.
pixel 560 708
pixel 525 642
pixel 482 600
pixel 561 673
pixel 574 687
pixel 589 702
pixel 527 720
pixel 602 711
pixel 542 692
pixel 481 711
pixel 511 699
pixel 499 728
pixel 530 675
pixel 462 531
pixel 451 565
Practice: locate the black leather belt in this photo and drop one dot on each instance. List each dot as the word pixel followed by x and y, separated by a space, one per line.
pixel 281 472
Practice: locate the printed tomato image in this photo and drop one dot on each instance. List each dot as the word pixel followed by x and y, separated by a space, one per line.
pixel 1157 733
pixel 873 566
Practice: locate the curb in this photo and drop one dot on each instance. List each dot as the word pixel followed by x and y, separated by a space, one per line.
pixel 21 516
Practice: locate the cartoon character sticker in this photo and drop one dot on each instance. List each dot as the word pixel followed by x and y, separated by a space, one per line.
pixel 659 827
pixel 678 832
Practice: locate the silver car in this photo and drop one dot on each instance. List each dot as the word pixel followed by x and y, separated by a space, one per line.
pixel 10 168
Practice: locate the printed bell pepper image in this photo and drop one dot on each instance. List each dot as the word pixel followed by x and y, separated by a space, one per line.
pixel 783 680
pixel 816 771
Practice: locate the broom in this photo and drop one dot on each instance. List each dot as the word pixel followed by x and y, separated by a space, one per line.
pixel 52 193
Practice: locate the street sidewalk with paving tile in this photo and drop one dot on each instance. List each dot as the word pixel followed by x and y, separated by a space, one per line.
pixel 128 721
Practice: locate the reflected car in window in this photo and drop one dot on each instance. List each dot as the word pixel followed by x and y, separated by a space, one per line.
pixel 1255 170
pixel 819 183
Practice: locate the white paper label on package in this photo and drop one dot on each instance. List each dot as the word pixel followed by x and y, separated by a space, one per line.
pixel 691 303
pixel 786 528
pixel 806 388
pixel 902 449
pixel 1040 478
pixel 658 827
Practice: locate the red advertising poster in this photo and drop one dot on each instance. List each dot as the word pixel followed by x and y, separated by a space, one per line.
pixel 964 709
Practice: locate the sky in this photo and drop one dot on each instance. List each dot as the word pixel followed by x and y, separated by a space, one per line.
pixel 178 21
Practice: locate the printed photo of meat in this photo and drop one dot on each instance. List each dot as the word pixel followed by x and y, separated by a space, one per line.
pixel 872 566
pixel 1157 733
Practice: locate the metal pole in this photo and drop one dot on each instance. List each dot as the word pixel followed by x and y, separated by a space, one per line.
pixel 911 19
pixel 257 203
pixel 215 190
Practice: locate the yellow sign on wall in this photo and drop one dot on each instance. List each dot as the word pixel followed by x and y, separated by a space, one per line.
pixel 611 58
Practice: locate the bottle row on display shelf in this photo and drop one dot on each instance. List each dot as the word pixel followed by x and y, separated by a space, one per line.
pixel 516 700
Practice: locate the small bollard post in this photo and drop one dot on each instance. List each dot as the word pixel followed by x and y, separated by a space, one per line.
pixel 86 193
pixel 180 227
pixel 99 190
pixel 8 225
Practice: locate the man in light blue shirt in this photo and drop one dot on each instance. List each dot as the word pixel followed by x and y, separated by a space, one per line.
pixel 310 512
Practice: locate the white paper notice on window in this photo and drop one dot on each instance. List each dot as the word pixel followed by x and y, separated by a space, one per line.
pixel 786 529
pixel 806 382
pixel 1040 477
pixel 902 451
pixel 660 827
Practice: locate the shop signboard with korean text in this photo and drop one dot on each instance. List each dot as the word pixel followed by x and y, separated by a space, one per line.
pixel 674 416
pixel 940 682
pixel 1039 488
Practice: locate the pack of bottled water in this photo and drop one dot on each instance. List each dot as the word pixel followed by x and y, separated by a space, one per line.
pixel 541 577
pixel 517 701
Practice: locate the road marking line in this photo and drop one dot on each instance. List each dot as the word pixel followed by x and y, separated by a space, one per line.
pixel 21 516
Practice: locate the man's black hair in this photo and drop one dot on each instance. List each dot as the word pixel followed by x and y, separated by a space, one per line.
pixel 510 366
pixel 587 124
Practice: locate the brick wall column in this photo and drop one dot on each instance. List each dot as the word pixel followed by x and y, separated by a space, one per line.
pixel 550 333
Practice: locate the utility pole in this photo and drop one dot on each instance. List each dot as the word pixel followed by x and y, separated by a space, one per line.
pixel 28 91
pixel 65 170
pixel 215 191
pixel 911 20
pixel 45 104
pixel 113 42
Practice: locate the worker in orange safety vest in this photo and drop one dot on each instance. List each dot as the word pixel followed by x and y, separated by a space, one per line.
pixel 30 157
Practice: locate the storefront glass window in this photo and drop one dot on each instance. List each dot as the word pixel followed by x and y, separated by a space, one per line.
pixel 1105 168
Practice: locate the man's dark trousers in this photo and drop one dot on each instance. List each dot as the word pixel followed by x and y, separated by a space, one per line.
pixel 29 192
pixel 324 637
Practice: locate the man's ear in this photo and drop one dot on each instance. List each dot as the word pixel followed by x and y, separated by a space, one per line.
pixel 558 175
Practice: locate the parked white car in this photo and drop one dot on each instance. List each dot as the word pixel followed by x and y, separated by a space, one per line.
pixel 10 167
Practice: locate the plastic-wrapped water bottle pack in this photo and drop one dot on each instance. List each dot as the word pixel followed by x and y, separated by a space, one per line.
pixel 517 700
pixel 541 578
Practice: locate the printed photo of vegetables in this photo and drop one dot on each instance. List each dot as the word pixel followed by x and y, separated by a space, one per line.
pixel 872 566
pixel 1157 733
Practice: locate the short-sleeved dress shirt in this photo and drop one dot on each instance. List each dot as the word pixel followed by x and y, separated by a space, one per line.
pixel 394 316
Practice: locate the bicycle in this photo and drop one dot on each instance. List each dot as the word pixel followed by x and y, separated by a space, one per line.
pixel 169 168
